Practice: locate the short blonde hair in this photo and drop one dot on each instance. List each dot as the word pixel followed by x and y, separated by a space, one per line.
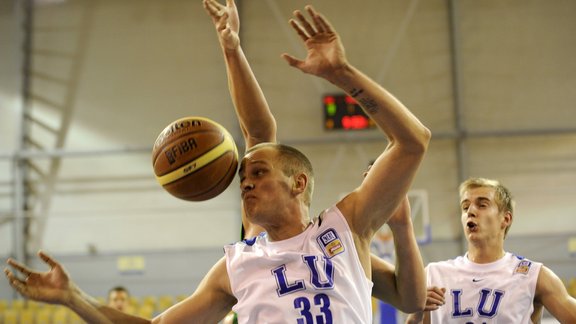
pixel 503 197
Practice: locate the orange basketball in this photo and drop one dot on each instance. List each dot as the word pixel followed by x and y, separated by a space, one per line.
pixel 194 158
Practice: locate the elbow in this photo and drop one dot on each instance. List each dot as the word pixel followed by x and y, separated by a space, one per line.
pixel 414 303
pixel 422 140
pixel 419 302
pixel 417 144
pixel 413 306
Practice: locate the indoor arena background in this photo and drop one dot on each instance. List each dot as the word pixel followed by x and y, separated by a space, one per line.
pixel 87 85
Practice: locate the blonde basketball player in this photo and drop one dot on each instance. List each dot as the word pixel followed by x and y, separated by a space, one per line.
pixel 488 284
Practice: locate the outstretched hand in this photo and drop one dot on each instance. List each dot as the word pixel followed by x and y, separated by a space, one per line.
pixel 226 21
pixel 52 286
pixel 325 52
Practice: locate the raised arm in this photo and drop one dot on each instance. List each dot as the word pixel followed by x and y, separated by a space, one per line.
pixel 373 203
pixel 256 121
pixel 402 286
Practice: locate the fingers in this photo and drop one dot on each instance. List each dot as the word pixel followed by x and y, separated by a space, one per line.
pixel 47 259
pixel 20 267
pixel 321 24
pixel 307 30
pixel 304 23
pixel 219 14
pixel 434 298
pixel 215 9
pixel 16 283
pixel 222 22
pixel 298 30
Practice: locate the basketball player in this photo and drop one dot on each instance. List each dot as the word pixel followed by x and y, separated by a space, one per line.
pixel 405 290
pixel 300 270
pixel 119 298
pixel 487 284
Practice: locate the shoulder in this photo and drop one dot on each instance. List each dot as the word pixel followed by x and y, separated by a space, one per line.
pixel 523 265
pixel 547 281
pixel 331 215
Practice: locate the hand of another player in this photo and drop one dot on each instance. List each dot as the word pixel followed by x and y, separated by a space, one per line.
pixel 226 20
pixel 434 298
pixel 325 52
pixel 52 286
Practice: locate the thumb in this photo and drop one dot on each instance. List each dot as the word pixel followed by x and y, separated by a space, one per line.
pixel 47 259
pixel 292 60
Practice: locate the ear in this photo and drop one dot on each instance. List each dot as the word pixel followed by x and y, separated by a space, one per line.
pixel 507 218
pixel 300 183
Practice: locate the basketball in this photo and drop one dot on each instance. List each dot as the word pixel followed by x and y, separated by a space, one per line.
pixel 194 158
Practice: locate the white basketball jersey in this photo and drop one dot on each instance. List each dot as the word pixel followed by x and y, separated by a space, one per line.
pixel 498 292
pixel 314 277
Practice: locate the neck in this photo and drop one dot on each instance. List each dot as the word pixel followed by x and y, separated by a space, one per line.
pixel 284 232
pixel 282 226
pixel 484 254
pixel 252 230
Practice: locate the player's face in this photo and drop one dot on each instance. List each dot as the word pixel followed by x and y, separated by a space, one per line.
pixel 265 188
pixel 118 300
pixel 481 218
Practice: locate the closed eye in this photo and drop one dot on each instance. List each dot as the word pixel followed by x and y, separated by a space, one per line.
pixel 258 172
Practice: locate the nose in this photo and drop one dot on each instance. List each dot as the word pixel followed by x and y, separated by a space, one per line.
pixel 471 212
pixel 247 187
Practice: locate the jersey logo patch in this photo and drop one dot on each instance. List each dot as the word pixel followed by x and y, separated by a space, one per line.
pixel 330 243
pixel 523 267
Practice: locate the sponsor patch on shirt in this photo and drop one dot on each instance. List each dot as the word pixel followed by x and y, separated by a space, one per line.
pixel 523 267
pixel 330 243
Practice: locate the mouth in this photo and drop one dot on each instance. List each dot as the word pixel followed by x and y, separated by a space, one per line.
pixel 471 226
pixel 248 197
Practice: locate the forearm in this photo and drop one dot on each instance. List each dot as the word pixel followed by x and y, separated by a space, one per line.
pixel 397 122
pixel 257 122
pixel 91 311
pixel 410 275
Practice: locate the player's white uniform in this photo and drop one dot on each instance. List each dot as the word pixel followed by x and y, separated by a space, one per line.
pixel 498 292
pixel 314 277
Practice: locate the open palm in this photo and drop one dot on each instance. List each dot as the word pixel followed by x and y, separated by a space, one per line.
pixel 226 20
pixel 325 52
pixel 52 286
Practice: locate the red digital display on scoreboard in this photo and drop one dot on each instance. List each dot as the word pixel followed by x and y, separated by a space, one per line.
pixel 343 112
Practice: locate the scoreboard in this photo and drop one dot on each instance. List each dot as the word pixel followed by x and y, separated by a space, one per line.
pixel 343 112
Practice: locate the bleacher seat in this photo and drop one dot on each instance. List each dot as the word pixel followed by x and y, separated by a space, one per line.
pixel 572 287
pixel 164 302
pixel 11 316
pixel 44 315
pixel 27 316
pixel 60 315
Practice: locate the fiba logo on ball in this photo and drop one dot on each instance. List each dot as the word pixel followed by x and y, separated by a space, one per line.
pixel 194 158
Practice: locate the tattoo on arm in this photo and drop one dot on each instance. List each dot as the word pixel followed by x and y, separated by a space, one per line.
pixel 356 92
pixel 369 104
